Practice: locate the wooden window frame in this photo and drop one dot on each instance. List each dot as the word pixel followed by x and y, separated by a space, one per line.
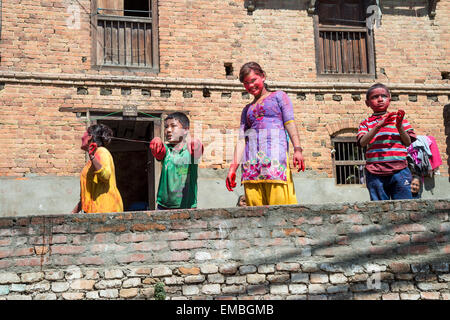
pixel 346 139
pixel 319 54
pixel 155 68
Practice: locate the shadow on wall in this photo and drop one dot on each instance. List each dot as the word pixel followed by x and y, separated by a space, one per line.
pixel 278 4
pixel 419 8
pixel 447 133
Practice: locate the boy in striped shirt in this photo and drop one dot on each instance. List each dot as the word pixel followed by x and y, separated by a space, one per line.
pixel 386 135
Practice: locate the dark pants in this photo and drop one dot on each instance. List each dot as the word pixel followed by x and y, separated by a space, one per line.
pixel 394 187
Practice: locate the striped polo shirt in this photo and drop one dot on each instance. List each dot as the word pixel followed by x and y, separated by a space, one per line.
pixel 386 153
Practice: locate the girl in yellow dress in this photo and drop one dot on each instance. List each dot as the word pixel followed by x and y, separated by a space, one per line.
pixel 98 189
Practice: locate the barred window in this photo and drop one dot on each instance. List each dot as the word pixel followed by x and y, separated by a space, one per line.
pixel 344 45
pixel 126 34
pixel 348 160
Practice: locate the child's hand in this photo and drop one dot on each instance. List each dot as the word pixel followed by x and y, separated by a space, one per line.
pixel 92 149
pixel 388 119
pixel 231 179
pixel 157 148
pixel 195 147
pixel 399 121
pixel 298 161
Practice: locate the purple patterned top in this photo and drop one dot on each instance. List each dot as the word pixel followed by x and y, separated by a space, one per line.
pixel 266 144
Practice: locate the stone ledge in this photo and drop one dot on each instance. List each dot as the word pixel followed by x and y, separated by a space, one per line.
pixel 213 84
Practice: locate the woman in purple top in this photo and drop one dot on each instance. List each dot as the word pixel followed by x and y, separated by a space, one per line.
pixel 262 148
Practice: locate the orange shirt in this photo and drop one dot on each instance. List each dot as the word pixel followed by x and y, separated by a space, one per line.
pixel 98 189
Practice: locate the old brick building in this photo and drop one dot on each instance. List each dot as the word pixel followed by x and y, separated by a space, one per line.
pixel 68 63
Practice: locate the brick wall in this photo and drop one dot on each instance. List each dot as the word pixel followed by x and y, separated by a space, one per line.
pixel 46 65
pixel 383 250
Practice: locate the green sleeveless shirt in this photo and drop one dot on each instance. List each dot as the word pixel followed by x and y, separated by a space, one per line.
pixel 178 181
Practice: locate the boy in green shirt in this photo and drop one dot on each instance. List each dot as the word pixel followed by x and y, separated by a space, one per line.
pixel 179 157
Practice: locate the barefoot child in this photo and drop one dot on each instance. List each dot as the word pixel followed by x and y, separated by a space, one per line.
pixel 386 135
pixel 178 181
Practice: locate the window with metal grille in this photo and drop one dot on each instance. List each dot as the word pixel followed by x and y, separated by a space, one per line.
pixel 344 44
pixel 126 34
pixel 348 160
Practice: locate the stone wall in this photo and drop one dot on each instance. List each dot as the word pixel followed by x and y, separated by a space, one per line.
pixel 372 250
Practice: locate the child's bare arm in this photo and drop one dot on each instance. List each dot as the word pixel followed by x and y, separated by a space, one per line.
pixel 404 136
pixel 77 207
pixel 365 140
pixel 230 181
pixel 195 147
pixel 298 156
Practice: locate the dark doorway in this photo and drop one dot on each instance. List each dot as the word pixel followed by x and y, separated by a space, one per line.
pixel 133 162
pixel 136 8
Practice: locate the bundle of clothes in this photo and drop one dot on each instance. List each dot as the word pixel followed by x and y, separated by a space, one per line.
pixel 423 157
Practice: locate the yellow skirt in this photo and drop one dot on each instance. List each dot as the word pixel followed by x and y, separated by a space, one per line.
pixel 271 194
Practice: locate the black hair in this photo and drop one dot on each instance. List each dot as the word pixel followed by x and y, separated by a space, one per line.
pixel 181 117
pixel 239 200
pixel 416 177
pixel 249 67
pixel 376 86
pixel 101 134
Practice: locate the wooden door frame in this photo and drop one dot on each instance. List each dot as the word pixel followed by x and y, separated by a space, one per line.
pixel 154 167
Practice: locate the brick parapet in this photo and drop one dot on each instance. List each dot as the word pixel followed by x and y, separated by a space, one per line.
pixel 285 252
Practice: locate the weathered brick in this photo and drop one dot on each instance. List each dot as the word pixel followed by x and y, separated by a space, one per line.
pixel 109 293
pixel 298 288
pixel 16 287
pixel 92 295
pixel 367 296
pixel 107 284
pixel 192 270
pixel 390 296
pixel 399 267
pixel 216 278
pixel 338 278
pixel 300 278
pixel 80 284
pixel 113 274
pixel 236 280
pixel 209 289
pixel 209 268
pixel 8 277
pixel 161 272
pixel 133 282
pixel 430 295
pixel 190 290
pixel 266 268
pixel 60 286
pixel 32 277
pixel 278 278
pixel 317 288
pixel 430 286
pixel 243 270
pixel 279 289
pixel 38 286
pixel 73 273
pixel 284 266
pixel 129 293
pixel 186 244
pixel 45 296
pixel 256 278
pixel 318 278
pixel 409 296
pixel 234 289
pixel 194 279
pixel 4 290
pixel 73 295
